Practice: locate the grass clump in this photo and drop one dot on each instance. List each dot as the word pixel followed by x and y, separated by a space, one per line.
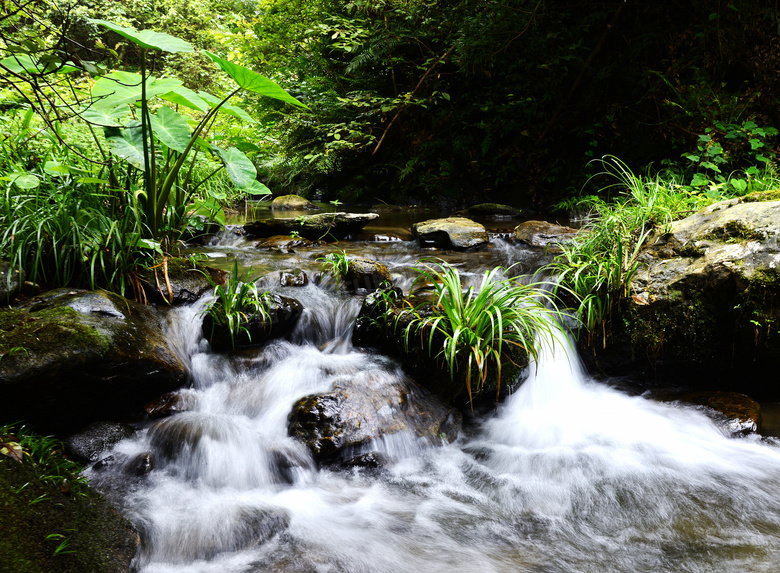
pixel 475 330
pixel 236 304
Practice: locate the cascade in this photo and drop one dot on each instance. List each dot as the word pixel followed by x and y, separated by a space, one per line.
pixel 567 475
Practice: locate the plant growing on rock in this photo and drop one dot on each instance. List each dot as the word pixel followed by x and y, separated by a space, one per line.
pixel 336 264
pixel 236 304
pixel 477 329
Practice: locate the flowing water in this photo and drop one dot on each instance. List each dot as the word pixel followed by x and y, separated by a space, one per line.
pixel 567 475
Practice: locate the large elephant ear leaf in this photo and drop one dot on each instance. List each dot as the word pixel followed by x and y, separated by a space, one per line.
pixel 171 129
pixel 238 166
pixel 253 81
pixel 147 39
pixel 127 143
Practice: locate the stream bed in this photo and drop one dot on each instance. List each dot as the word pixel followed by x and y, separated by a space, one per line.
pixel 566 475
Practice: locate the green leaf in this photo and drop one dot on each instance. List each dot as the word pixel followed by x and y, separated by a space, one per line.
pixel 227 108
pixel 238 167
pixel 171 129
pixel 55 168
pixel 24 180
pixel 24 64
pixel 699 180
pixel 739 184
pixel 122 88
pixel 209 208
pixel 253 81
pixel 147 39
pixel 187 98
pixel 256 188
pixel 756 144
pixel 128 144
pixel 105 117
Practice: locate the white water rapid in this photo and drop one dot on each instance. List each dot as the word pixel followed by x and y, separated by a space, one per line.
pixel 567 476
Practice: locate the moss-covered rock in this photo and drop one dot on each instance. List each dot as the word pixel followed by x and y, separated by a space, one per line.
pixel 706 303
pixel 54 525
pixel 176 280
pixel 292 203
pixel 70 358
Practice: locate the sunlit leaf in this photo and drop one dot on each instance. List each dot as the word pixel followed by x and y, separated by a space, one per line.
pixel 127 143
pixel 227 108
pixel 238 167
pixel 25 64
pixel 171 129
pixel 147 39
pixel 122 88
pixel 256 188
pixel 105 117
pixel 186 97
pixel 253 81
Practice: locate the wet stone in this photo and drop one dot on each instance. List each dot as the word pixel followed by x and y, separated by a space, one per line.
pixel 293 278
pixel 89 444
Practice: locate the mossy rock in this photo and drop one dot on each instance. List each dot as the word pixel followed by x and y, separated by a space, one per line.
pixel 37 515
pixel 70 358
pixel 458 233
pixel 187 281
pixel 292 203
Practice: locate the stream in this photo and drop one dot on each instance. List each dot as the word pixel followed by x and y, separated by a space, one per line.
pixel 566 475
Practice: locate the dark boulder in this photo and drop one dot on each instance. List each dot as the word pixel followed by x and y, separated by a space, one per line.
pixel 282 314
pixel 365 407
pixel 76 357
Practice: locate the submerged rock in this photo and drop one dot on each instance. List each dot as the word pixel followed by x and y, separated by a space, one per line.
pixel 739 413
pixel 368 406
pixel 491 211
pixel 293 278
pixel 293 203
pixel 83 356
pixel 322 226
pixel 456 233
pixel 284 243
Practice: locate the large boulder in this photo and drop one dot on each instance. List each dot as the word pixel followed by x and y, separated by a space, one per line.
pixel 292 203
pixel 321 226
pixel 456 233
pixel 705 303
pixel 367 406
pixel 70 358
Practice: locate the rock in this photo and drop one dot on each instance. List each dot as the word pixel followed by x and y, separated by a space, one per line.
pixel 284 243
pixel 740 414
pixel 187 282
pixel 9 286
pixel 381 324
pixel 705 305
pixel 167 404
pixel 86 356
pixel 314 227
pixel 99 539
pixel 543 234
pixel 456 233
pixel 366 274
pixel 293 278
pixel 89 444
pixel 491 211
pixel 293 203
pixel 367 406
pixel 283 314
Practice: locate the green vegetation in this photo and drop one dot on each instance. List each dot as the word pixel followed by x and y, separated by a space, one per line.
pixel 335 264
pixel 476 329
pixel 236 304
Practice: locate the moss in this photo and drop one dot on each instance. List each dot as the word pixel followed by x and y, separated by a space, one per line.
pixel 40 332
pixel 43 506
pixel 758 308
pixel 735 231
pixel 758 196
